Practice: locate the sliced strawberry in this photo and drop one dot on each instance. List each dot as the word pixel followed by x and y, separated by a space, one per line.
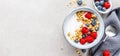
pixel 89 39
pixel 85 30
pixel 106 53
pixel 82 41
pixel 88 15
pixel 94 35
pixel 106 5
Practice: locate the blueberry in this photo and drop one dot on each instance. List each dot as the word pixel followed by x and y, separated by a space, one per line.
pixel 87 25
pixel 91 30
pixel 83 36
pixel 103 9
pixel 97 28
pixel 101 3
pixel 93 22
pixel 79 2
pixel 76 41
pixel 99 7
pixel 97 3
pixel 83 50
pixel 94 18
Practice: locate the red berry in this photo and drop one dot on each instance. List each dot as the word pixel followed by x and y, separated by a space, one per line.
pixel 82 41
pixel 89 39
pixel 106 5
pixel 94 35
pixel 106 53
pixel 88 15
pixel 85 30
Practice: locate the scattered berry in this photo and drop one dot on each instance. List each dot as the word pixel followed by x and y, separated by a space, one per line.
pixel 94 35
pixel 82 41
pixel 106 5
pixel 106 53
pixel 79 2
pixel 83 50
pixel 88 15
pixel 85 30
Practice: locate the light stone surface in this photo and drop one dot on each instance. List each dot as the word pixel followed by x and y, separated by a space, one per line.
pixel 34 27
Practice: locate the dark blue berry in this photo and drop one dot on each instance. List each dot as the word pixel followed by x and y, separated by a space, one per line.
pixel 91 30
pixel 83 36
pixel 79 2
pixel 97 3
pixel 87 24
pixel 101 3
pixel 93 22
pixel 76 41
pixel 99 7
pixel 83 50
pixel 97 28
pixel 103 9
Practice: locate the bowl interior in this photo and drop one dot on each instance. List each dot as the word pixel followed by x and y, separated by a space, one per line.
pixel 107 11
pixel 67 27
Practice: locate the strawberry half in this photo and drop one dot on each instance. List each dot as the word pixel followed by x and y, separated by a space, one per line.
pixel 94 35
pixel 85 30
pixel 89 39
pixel 82 41
pixel 88 15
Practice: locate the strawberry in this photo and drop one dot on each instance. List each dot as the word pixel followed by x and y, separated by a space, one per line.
pixel 88 15
pixel 85 30
pixel 82 41
pixel 106 53
pixel 106 5
pixel 89 39
pixel 94 35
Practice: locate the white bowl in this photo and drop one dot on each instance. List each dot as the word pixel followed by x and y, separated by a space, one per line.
pixel 66 28
pixel 105 12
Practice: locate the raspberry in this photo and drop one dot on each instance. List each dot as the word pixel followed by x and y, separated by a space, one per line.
pixel 88 15
pixel 82 41
pixel 94 35
pixel 106 5
pixel 106 53
pixel 85 30
pixel 89 39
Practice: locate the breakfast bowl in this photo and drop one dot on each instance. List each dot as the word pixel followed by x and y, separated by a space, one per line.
pixel 83 33
pixel 102 6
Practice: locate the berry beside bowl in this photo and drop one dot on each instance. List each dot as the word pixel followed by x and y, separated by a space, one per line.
pixel 102 6
pixel 83 28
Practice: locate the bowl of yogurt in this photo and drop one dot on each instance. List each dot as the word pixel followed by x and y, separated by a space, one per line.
pixel 83 28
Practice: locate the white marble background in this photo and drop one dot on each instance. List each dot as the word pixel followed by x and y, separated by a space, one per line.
pixel 34 27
